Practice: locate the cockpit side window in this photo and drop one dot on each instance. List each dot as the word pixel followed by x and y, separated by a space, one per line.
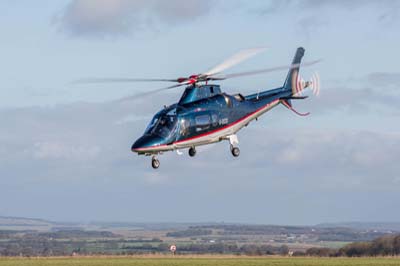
pixel 150 127
pixel 163 125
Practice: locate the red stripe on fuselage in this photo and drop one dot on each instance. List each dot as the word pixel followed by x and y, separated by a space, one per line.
pixel 210 132
pixel 227 126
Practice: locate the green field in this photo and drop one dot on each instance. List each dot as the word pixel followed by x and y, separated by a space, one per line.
pixel 197 261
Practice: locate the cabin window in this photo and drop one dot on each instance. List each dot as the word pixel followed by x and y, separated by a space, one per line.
pixel 212 90
pixel 202 122
pixel 202 93
pixel 184 127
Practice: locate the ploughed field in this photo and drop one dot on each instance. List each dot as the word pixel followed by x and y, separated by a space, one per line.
pixel 197 261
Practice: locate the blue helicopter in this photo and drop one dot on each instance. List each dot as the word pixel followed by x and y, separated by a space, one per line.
pixel 205 114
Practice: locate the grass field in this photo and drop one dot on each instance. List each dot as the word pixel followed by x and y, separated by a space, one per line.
pixel 199 261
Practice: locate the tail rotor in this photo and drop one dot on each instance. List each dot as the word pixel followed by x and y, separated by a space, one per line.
pixel 313 83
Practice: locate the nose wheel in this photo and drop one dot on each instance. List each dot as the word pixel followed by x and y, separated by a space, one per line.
pixel 192 151
pixel 155 163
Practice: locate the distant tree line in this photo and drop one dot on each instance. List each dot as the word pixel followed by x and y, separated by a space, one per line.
pixel 383 246
pixel 319 233
pixel 64 243
pixel 190 232
pixel 67 234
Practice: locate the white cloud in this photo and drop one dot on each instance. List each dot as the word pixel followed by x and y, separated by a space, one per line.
pixel 312 16
pixel 391 79
pixel 58 150
pixel 370 98
pixel 117 17
pixel 79 149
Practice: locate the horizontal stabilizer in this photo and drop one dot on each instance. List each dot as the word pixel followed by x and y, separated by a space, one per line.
pixel 295 98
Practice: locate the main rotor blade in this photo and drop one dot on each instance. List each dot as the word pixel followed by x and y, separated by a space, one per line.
pixel 140 95
pixel 118 80
pixel 234 60
pixel 262 71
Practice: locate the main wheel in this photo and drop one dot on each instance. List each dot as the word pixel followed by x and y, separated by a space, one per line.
pixel 155 163
pixel 235 151
pixel 192 151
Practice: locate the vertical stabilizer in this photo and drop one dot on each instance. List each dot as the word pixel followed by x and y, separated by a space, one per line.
pixel 291 82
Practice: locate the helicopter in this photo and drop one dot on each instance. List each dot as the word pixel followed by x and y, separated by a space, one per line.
pixel 204 114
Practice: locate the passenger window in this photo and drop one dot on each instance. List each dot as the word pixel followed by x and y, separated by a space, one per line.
pixel 202 122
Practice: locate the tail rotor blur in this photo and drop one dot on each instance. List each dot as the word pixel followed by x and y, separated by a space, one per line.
pixel 313 83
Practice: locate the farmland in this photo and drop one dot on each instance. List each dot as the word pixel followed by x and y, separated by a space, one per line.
pixel 200 261
pixel 35 237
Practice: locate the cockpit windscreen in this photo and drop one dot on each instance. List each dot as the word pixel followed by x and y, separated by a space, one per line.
pixel 162 126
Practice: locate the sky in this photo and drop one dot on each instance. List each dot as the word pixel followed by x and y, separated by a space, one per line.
pixel 65 149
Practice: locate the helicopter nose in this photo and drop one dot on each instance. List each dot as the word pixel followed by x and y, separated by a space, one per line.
pixel 146 142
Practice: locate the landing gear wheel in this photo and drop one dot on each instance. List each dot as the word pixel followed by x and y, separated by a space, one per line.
pixel 155 163
pixel 235 151
pixel 192 151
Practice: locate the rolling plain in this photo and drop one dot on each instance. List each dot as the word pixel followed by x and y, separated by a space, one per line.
pixel 197 261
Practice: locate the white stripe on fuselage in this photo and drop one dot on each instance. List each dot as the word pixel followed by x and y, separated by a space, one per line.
pixel 212 137
pixel 221 134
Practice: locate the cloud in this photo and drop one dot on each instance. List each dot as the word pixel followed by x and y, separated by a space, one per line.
pixel 343 4
pixel 105 18
pixel 59 150
pixel 332 156
pixel 82 135
pixel 384 79
pixel 354 101
pixel 52 158
pixel 327 4
pixel 66 152
pixel 313 15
